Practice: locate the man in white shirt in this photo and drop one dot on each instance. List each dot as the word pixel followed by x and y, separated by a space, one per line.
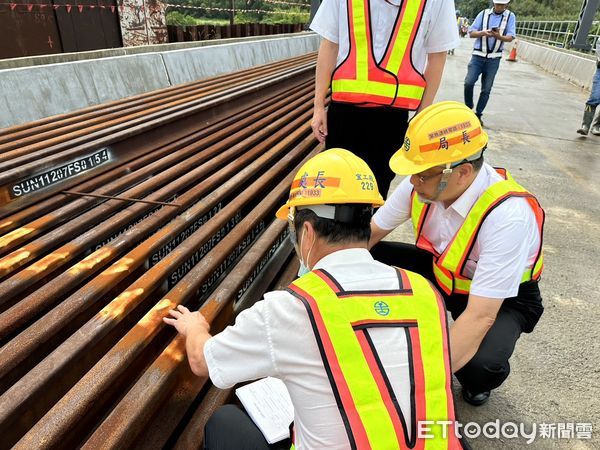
pixel 478 237
pixel 405 55
pixel 350 339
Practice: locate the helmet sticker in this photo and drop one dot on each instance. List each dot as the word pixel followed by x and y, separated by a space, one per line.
pixel 303 180
pixel 320 182
pixel 443 143
pixel 465 137
pixel 451 129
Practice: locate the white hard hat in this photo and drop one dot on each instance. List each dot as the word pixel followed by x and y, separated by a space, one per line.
pixel 502 2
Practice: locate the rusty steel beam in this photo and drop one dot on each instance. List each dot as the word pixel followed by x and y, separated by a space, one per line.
pixel 34 384
pixel 25 146
pixel 58 122
pixel 143 128
pixel 30 340
pixel 117 179
pixel 33 304
pixel 141 123
pixel 131 415
pixel 33 132
pixel 11 262
pixel 86 359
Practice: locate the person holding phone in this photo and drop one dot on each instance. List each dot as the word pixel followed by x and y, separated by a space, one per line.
pixel 491 29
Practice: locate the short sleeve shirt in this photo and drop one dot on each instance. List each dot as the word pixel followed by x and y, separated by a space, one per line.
pixel 275 338
pixel 494 21
pixel 437 31
pixel 507 243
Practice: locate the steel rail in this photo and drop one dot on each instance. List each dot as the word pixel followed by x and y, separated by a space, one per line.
pixel 52 427
pixel 36 302
pixel 31 339
pixel 34 249
pixel 101 107
pixel 20 135
pixel 106 135
pixel 34 384
pixel 131 415
pixel 149 126
pixel 57 134
pixel 130 172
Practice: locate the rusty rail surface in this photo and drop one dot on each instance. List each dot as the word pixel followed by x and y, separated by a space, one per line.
pixel 102 147
pixel 85 360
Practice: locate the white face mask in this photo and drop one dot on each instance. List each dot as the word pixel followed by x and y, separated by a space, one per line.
pixel 304 269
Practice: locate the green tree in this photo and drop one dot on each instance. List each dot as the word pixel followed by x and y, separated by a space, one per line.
pixel 247 11
pixel 178 18
pixel 528 9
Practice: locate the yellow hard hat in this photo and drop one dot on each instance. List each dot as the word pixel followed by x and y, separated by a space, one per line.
pixel 443 133
pixel 332 177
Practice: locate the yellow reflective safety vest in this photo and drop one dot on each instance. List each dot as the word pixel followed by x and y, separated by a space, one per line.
pixel 448 267
pixel 343 321
pixel 394 81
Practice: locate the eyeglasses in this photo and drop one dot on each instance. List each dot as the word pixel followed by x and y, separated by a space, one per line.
pixel 425 178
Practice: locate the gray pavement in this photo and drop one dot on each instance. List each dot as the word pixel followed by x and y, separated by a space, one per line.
pixel 531 119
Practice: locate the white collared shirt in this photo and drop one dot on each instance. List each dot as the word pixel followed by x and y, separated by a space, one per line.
pixel 275 338
pixel 437 32
pixel 507 243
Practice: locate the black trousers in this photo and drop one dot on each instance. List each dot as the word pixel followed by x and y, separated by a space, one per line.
pixel 374 134
pixel 231 428
pixel 490 366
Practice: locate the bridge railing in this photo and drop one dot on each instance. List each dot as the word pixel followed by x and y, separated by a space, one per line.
pixel 558 33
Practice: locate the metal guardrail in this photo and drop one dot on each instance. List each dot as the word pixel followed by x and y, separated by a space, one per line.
pixel 558 33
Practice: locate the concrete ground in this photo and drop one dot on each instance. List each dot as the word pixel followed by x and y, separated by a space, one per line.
pixel 531 119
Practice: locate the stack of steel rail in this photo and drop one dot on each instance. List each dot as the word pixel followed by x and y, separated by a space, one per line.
pixel 113 215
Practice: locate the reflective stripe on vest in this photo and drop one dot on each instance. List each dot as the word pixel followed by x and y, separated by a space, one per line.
pixel 495 52
pixel 394 81
pixel 448 267
pixel 342 321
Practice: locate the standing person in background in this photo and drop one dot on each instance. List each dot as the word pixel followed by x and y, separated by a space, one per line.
pixel 458 22
pixel 491 29
pixel 593 101
pixel 463 28
pixel 395 66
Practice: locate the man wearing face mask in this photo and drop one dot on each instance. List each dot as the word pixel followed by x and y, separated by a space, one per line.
pixel 491 29
pixel 361 346
pixel 478 237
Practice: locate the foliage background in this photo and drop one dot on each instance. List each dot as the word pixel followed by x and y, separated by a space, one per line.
pixel 287 13
pixel 528 9
pixel 277 12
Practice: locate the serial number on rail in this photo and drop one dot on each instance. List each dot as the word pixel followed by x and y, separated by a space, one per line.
pixel 46 179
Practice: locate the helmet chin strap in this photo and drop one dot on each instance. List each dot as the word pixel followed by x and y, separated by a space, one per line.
pixel 443 184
